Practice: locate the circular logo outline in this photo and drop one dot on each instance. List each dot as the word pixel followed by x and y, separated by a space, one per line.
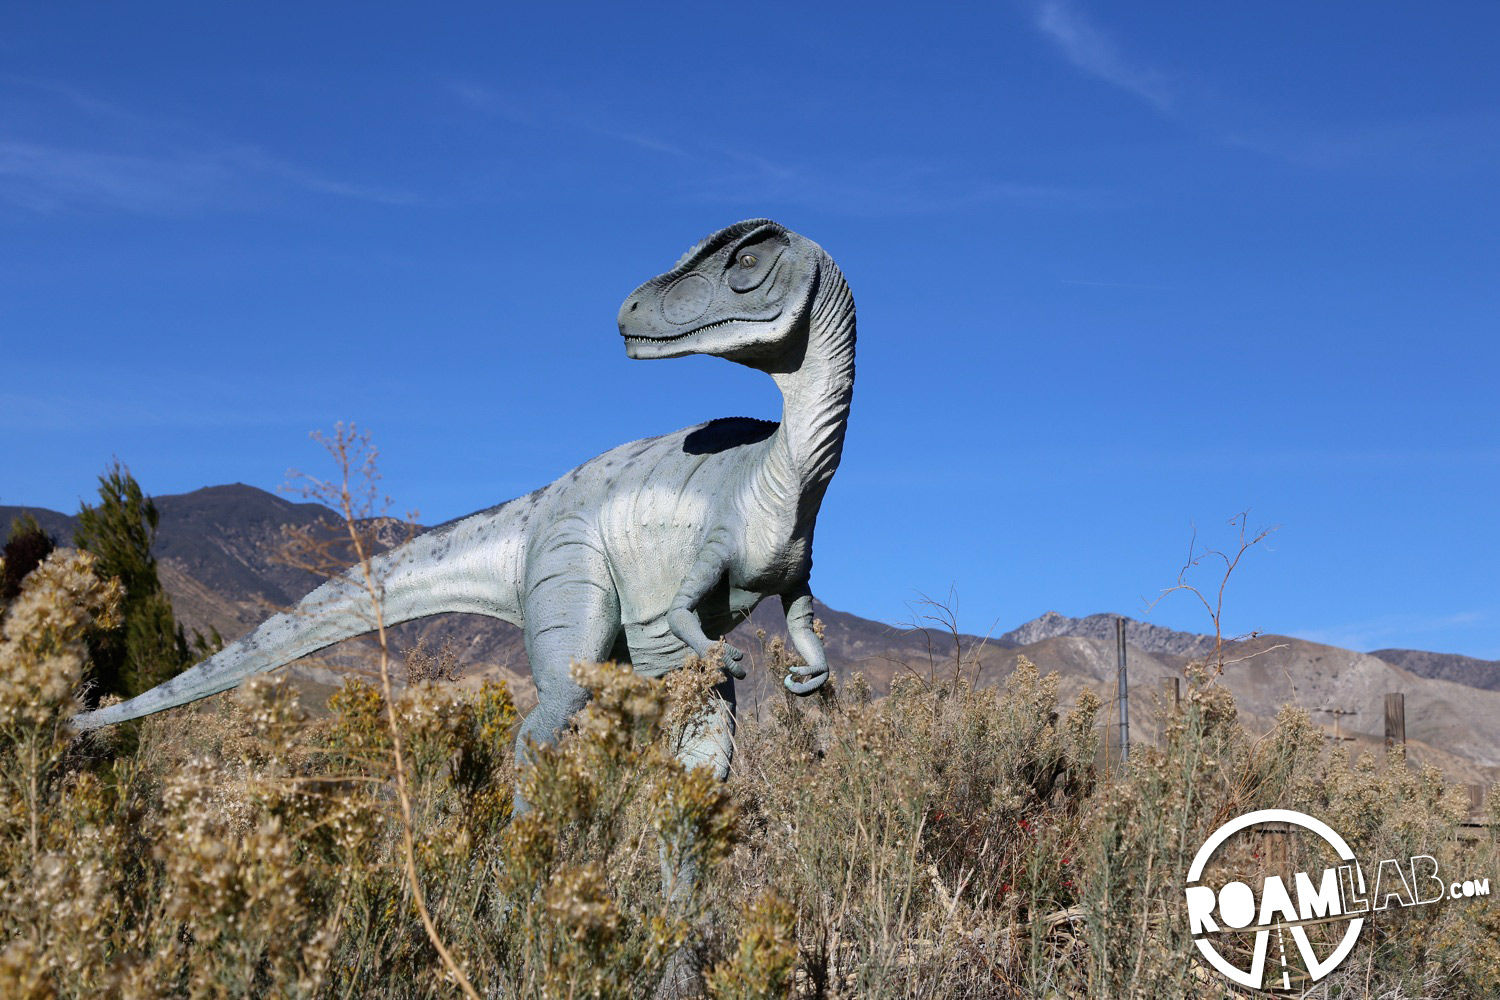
pixel 1316 969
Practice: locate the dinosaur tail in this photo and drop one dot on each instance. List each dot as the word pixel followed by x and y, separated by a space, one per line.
pixel 461 566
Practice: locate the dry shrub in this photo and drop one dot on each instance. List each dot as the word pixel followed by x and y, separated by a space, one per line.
pixel 942 841
pixel 905 828
pixel 423 664
pixel 602 871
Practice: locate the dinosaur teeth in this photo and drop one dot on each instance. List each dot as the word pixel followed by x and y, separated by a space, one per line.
pixel 677 336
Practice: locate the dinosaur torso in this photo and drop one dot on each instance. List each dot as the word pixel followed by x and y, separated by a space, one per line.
pixel 649 506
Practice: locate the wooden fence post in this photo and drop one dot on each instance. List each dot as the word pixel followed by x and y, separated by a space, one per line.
pixel 1395 720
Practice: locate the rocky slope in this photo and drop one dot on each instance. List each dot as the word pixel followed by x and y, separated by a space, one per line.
pixel 1445 666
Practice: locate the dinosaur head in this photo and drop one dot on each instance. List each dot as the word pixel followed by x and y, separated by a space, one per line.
pixel 743 293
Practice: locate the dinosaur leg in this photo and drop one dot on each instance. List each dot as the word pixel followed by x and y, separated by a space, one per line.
pixel 709 740
pixel 572 614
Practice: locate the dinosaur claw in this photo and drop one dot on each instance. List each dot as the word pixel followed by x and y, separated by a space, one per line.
pixel 805 687
pixel 730 661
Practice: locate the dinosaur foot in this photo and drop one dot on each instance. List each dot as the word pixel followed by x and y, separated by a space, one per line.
pixel 805 680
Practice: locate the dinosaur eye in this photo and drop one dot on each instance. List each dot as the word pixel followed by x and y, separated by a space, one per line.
pixel 751 263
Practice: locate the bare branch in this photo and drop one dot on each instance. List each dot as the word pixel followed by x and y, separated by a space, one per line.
pixel 356 500
pixel 1215 608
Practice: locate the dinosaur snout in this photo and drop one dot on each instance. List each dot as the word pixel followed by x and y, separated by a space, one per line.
pixel 633 314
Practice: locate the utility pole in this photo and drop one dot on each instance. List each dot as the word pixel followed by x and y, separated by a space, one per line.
pixel 1338 716
pixel 1124 686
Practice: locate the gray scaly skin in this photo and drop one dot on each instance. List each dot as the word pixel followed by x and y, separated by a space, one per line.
pixel 652 550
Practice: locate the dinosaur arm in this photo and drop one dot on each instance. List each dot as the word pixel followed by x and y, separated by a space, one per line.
pixel 682 617
pixel 799 626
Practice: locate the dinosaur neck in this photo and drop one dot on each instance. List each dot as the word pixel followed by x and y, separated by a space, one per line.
pixel 804 452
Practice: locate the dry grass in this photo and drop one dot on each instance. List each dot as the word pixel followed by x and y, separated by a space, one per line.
pixel 942 841
pixel 939 842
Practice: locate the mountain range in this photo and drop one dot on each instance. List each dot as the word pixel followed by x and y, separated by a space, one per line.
pixel 219 556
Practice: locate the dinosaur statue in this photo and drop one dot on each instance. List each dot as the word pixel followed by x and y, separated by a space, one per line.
pixel 649 551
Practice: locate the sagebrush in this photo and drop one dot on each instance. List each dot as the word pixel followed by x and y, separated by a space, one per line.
pixel 939 841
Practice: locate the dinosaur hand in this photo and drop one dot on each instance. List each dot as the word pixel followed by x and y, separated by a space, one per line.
pixel 731 660
pixel 805 680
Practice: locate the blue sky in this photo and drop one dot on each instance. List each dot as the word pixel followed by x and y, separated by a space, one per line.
pixel 1120 270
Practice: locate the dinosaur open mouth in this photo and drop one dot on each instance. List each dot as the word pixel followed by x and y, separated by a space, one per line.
pixel 638 338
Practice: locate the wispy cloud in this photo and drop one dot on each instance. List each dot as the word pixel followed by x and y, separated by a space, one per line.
pixel 1130 285
pixel 1441 144
pixel 487 100
pixel 146 166
pixel 1092 51
pixel 92 403
pixel 638 140
pixel 721 173
pixel 255 160
pixel 81 100
pixel 1395 630
pixel 1437 145
pixel 43 414
pixel 865 186
pixel 1284 460
pixel 552 110
pixel 48 178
